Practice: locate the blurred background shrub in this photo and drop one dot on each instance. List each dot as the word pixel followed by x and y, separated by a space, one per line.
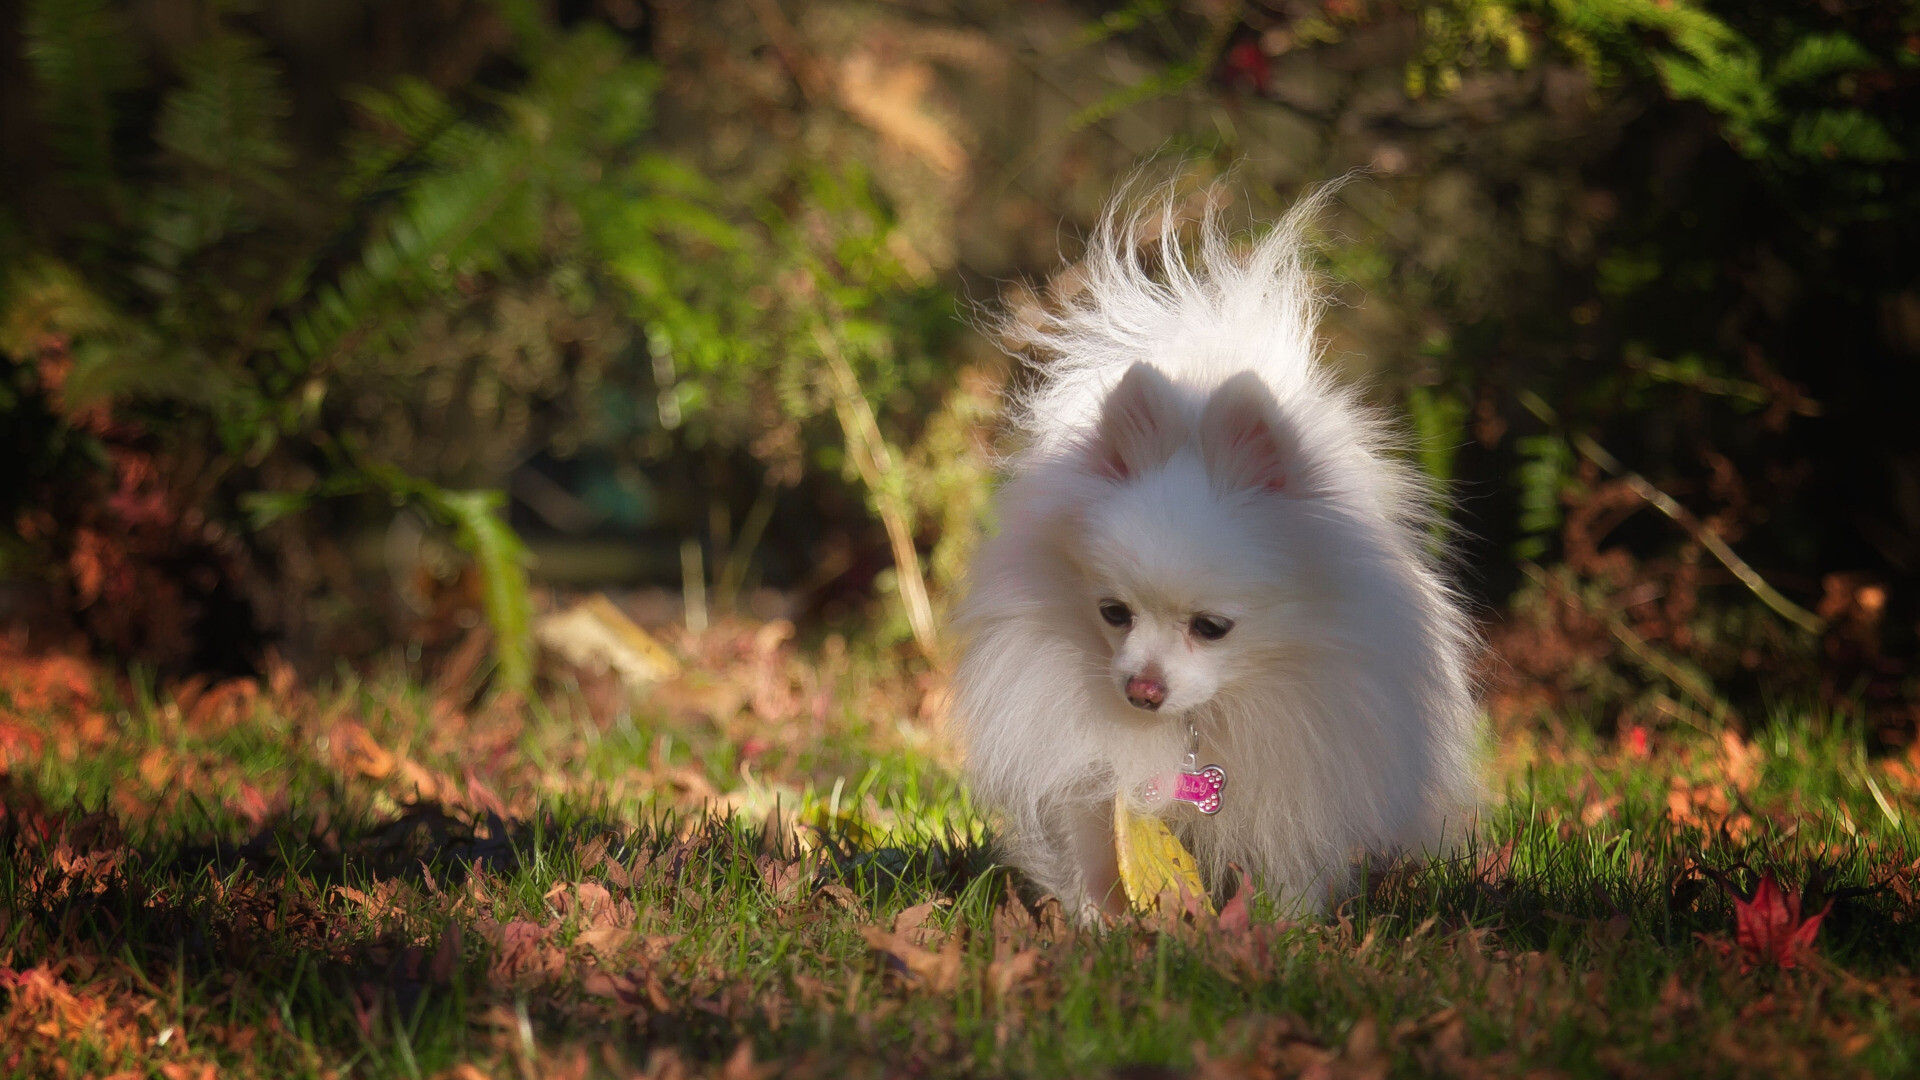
pixel 327 324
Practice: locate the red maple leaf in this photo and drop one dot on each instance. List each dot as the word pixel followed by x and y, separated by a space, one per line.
pixel 1235 918
pixel 1639 745
pixel 1246 67
pixel 1768 925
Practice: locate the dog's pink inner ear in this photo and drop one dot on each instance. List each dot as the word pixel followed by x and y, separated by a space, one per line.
pixel 1245 441
pixel 1140 424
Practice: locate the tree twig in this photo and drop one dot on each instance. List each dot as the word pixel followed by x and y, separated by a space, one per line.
pixel 1661 501
pixel 786 41
pixel 1699 689
pixel 734 572
pixel 871 458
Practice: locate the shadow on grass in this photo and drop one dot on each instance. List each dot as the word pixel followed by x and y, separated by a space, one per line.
pixel 1536 884
pixel 361 938
pixel 392 942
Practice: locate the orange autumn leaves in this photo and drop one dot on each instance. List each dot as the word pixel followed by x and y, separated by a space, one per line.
pixel 51 1021
pixel 34 685
pixel 930 957
pixel 52 703
pixel 527 952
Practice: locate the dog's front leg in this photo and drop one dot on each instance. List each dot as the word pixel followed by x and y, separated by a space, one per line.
pixel 1067 850
pixel 1096 865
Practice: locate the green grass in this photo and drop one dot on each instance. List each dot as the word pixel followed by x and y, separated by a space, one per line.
pixel 259 888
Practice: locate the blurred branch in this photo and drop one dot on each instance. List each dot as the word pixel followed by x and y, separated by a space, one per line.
pixel 734 572
pixel 1168 81
pixel 693 587
pixel 1098 115
pixel 786 42
pixel 1688 683
pixel 868 449
pixel 1661 501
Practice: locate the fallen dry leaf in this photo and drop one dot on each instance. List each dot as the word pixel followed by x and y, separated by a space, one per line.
pixel 156 768
pixel 638 990
pixel 917 924
pixel 380 903
pixel 446 956
pixel 355 751
pixel 588 900
pixel 1740 760
pixel 597 636
pixel 1277 1046
pixel 935 971
pixel 1004 975
pixel 521 951
pixel 841 895
pixel 222 707
pixel 1496 865
pixel 251 805
pixel 593 854
pixel 18 745
pixel 481 797
pixel 785 879
pixel 1363 1056
pixel 603 939
pixel 740 1066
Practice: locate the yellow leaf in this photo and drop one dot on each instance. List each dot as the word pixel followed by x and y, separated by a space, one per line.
pixel 596 635
pixel 1153 862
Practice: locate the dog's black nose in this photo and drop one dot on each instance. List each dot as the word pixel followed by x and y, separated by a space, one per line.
pixel 1145 693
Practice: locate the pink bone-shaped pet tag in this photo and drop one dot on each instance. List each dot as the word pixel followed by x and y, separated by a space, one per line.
pixel 1199 788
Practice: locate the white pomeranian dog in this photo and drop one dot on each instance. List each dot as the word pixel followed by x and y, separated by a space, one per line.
pixel 1210 554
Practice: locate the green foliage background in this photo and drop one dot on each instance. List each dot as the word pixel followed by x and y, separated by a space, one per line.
pixel 287 312
pixel 286 281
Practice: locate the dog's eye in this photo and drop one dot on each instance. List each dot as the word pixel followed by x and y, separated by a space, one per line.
pixel 1210 627
pixel 1115 612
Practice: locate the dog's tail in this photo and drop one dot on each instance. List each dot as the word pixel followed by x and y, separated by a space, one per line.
pixel 1178 288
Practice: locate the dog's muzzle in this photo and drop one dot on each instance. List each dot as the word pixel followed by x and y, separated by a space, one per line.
pixel 1145 693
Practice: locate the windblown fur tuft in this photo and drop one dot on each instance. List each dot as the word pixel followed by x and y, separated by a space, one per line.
pixel 1343 705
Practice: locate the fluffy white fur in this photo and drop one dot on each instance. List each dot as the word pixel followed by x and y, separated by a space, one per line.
pixel 1185 453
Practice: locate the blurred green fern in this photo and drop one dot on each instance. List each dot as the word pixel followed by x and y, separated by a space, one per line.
pixel 1778 100
pixel 82 56
pixel 218 288
pixel 260 299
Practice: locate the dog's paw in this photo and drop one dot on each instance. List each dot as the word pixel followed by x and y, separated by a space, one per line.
pixel 1088 915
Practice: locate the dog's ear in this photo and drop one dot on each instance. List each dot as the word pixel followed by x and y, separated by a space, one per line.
pixel 1247 443
pixel 1141 424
